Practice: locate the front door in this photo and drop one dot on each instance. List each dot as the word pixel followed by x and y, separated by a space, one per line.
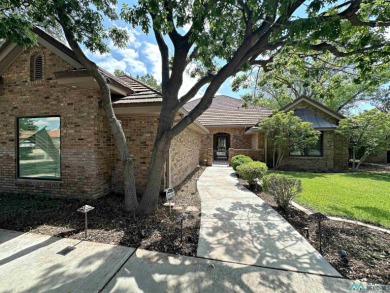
pixel 221 146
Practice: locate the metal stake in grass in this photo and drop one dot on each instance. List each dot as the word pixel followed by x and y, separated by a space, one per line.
pixel 319 218
pixel 182 217
pixel 85 209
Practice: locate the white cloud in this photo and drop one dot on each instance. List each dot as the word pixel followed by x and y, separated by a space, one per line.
pixel 125 59
pixel 152 53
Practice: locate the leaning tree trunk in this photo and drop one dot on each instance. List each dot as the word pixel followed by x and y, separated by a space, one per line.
pixel 159 155
pixel 131 203
pixel 362 160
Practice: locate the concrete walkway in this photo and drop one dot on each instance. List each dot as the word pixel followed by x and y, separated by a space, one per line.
pixel 37 263
pixel 239 227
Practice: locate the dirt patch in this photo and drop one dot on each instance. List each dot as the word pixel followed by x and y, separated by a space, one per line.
pixel 368 250
pixel 108 222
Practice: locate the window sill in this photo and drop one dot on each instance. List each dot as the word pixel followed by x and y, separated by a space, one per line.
pixel 306 157
pixel 37 182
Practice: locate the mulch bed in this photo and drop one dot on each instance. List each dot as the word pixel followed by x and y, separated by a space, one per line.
pixel 108 222
pixel 375 168
pixel 368 250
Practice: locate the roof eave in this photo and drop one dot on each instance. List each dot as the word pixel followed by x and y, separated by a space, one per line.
pixel 314 103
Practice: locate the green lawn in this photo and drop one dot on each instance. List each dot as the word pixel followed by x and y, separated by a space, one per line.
pixel 361 196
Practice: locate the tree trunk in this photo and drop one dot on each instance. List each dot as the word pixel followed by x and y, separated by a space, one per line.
pixel 131 203
pixel 273 158
pixel 159 155
pixel 353 158
pixel 362 160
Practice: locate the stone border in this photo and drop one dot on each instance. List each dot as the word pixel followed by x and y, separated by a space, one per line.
pixel 309 212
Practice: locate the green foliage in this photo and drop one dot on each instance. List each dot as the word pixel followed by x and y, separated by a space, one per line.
pixel 83 18
pixel 27 124
pixel 150 81
pixel 118 72
pixel 283 187
pixel 368 133
pixel 239 160
pixel 252 170
pixel 287 132
pixel 334 82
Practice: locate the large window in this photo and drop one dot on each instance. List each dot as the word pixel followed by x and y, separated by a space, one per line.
pixel 39 146
pixel 315 151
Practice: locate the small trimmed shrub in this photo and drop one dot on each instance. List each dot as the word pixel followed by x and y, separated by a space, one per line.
pixel 283 187
pixel 252 170
pixel 239 160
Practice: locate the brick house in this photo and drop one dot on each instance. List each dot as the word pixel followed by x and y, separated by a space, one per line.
pixel 55 137
pixel 232 130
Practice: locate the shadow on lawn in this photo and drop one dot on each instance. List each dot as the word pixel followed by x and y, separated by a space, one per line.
pixel 371 176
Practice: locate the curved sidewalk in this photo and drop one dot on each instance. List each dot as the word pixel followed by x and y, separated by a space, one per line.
pixel 239 227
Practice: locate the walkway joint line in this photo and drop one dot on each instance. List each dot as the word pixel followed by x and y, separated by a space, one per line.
pixel 117 271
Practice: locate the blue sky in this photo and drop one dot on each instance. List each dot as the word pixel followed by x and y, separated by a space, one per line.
pixel 142 56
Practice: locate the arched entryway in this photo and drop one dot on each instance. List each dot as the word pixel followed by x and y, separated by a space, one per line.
pixel 221 146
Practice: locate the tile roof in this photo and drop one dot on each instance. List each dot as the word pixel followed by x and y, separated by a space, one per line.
pixel 142 93
pixel 229 111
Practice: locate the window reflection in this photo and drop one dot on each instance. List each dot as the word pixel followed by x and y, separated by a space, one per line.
pixel 39 147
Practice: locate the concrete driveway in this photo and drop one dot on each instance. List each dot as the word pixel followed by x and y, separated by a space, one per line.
pixel 38 263
pixel 239 227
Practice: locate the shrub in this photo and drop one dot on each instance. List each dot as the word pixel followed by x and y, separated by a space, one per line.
pixel 239 160
pixel 252 170
pixel 283 187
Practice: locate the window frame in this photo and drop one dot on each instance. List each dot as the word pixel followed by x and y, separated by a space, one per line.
pixel 321 138
pixel 17 148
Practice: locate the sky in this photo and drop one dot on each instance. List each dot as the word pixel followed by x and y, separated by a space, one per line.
pixel 142 56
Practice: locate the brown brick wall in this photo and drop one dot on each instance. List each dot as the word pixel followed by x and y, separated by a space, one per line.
pixel 256 155
pixel 83 169
pixel 140 131
pixel 335 149
pixel 185 153
pixel 313 163
pixel 90 166
pixel 237 141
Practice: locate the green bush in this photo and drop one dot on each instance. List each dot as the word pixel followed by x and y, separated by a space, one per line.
pixel 239 160
pixel 252 170
pixel 283 187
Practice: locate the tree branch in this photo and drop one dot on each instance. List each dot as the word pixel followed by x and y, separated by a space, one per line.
pixel 194 89
pixel 335 51
pixel 164 51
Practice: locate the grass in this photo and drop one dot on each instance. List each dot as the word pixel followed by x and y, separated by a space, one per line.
pixel 361 196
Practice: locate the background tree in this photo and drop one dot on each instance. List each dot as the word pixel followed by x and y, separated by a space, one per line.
pixel 224 38
pixel 150 81
pixel 368 134
pixel 286 132
pixel 118 72
pixel 334 82
pixel 381 99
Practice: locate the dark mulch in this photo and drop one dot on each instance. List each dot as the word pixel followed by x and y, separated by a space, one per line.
pixel 368 250
pixel 377 168
pixel 108 222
